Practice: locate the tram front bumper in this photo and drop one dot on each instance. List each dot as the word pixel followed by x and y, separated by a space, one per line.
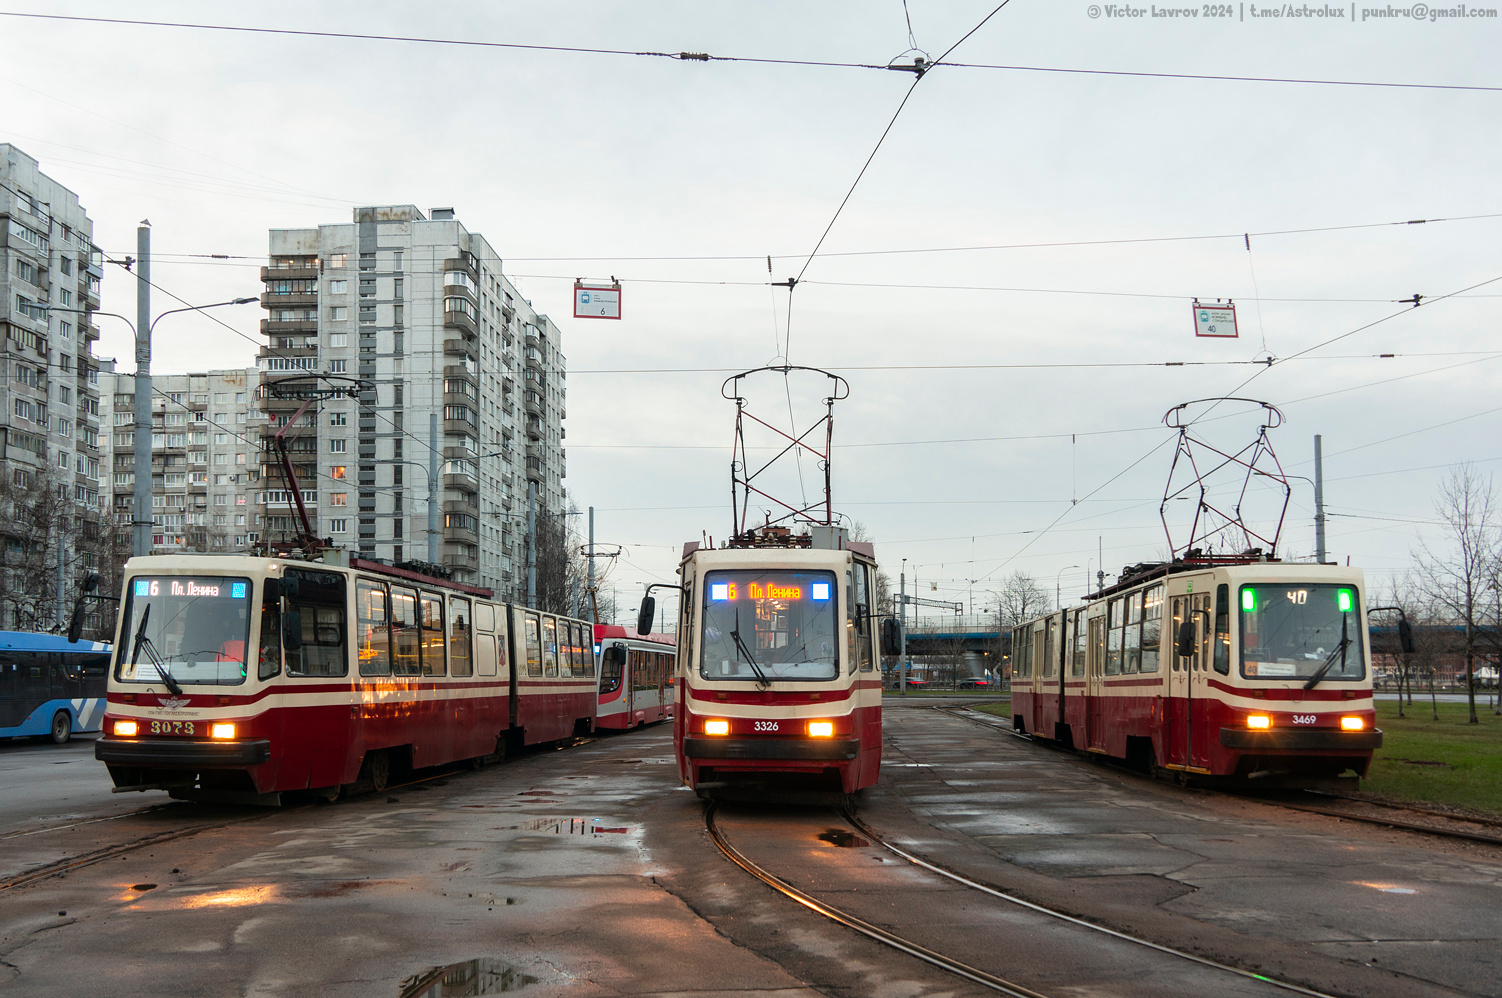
pixel 183 754
pixel 750 749
pixel 1300 740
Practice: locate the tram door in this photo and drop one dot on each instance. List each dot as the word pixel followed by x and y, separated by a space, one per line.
pixel 1095 685
pixel 1176 713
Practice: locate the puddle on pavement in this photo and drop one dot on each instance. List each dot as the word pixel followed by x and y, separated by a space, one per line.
pixel 458 980
pixel 143 887
pixel 843 839
pixel 565 826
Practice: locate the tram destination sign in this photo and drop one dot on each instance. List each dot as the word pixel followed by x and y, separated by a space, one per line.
pixel 1217 321
pixel 594 301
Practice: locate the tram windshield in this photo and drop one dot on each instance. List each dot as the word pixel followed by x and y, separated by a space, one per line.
pixel 1309 632
pixel 181 630
pixel 769 626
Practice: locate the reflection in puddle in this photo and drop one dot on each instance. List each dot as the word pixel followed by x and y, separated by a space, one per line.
pixel 473 977
pixel 563 826
pixel 843 839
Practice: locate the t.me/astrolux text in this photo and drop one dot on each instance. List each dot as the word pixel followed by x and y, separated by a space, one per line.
pixel 1291 12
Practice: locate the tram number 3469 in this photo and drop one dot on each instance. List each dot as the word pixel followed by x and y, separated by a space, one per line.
pixel 764 726
pixel 1304 718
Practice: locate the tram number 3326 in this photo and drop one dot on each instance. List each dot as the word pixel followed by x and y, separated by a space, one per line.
pixel 764 726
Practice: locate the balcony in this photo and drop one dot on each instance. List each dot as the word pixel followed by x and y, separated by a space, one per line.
pixel 466 371
pixel 460 320
pixel 532 402
pixel 461 483
pixel 271 327
pixel 458 428
pixel 465 559
pixel 461 348
pixel 300 299
pixel 289 273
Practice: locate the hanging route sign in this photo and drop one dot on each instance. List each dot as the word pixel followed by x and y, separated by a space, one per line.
pixel 1218 320
pixel 597 301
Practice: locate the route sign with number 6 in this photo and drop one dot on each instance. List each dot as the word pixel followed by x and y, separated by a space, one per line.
pixel 597 302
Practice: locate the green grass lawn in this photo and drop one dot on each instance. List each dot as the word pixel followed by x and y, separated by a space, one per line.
pixel 1469 773
pixel 1470 756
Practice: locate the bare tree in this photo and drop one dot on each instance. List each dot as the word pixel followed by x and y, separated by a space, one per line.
pixel 1457 580
pixel 1020 599
pixel 561 568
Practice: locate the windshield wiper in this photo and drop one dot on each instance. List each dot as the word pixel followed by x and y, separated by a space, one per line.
pixel 735 635
pixel 142 641
pixel 1339 649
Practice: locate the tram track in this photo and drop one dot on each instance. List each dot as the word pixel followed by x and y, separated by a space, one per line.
pixel 965 713
pixel 94 857
pixel 949 964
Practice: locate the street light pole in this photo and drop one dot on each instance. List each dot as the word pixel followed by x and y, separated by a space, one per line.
pixel 141 532
pixel 1057 591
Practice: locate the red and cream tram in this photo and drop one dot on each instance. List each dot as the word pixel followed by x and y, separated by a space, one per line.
pixel 779 675
pixel 1258 671
pixel 242 678
pixel 636 677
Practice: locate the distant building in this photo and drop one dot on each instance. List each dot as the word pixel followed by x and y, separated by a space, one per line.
pixel 50 271
pixel 205 457
pixel 415 312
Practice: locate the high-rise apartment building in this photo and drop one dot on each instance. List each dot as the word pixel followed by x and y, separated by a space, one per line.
pixel 50 272
pixel 205 457
pixel 443 359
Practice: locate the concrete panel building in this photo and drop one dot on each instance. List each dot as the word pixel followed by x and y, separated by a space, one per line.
pixel 446 366
pixel 50 271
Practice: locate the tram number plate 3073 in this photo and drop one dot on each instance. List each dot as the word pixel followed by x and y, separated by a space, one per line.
pixel 172 727
pixel 764 726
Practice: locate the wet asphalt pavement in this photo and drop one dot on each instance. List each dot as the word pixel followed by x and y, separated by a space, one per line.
pixel 588 871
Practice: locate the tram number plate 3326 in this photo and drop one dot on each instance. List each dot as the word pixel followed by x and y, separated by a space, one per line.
pixel 172 727
pixel 764 726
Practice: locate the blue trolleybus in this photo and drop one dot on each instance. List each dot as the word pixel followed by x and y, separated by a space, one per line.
pixel 50 687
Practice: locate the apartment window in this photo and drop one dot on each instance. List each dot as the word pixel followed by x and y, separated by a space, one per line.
pixel 65 394
pixel 199 478
pixel 338 312
pixel 336 446
pixel 338 419
pixel 220 501
pixel 339 499
pixel 338 471
pixel 239 519
pixel 65 330
pixel 367 261
pixel 396 260
pixel 367 313
pixel 26 271
pixel 221 438
pixel 239 397
pixel 338 526
pixel 398 315
pixel 221 519
pixel 338 287
pixel 67 297
pixel 367 287
pixel 219 479
pixel 397 288
pixel 220 398
pixel 335 367
pixel 338 339
pixel 239 458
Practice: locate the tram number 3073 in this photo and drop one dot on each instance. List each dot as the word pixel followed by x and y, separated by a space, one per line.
pixel 765 726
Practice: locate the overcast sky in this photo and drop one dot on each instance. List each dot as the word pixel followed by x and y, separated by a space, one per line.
pixel 217 137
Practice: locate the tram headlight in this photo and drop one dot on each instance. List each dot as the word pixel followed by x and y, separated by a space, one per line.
pixel 717 727
pixel 125 729
pixel 820 729
pixel 1352 723
pixel 222 730
pixel 1258 722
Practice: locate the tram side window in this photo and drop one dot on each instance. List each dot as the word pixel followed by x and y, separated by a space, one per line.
pixel 1113 637
pixel 1049 646
pixel 580 653
pixel 372 625
pixel 319 607
pixel 612 661
pixel 406 639
pixel 1152 627
pixel 1077 667
pixel 863 656
pixel 534 645
pixel 459 637
pixel 432 635
pixel 587 649
pixel 1022 652
pixel 484 617
pixel 1223 630
pixel 1131 659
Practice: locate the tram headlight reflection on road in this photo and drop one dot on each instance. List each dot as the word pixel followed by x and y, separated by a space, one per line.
pixel 717 727
pixel 1259 722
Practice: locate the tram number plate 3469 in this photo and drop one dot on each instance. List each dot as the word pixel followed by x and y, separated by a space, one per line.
pixel 172 727
pixel 764 726
pixel 1304 718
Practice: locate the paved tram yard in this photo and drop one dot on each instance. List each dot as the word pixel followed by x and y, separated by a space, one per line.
pixel 588 871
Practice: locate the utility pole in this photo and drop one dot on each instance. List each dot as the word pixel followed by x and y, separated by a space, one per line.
pixel 1319 502
pixel 433 487
pixel 531 544
pixel 594 604
pixel 141 534
pixel 1100 560
pixel 902 627
pixel 62 592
